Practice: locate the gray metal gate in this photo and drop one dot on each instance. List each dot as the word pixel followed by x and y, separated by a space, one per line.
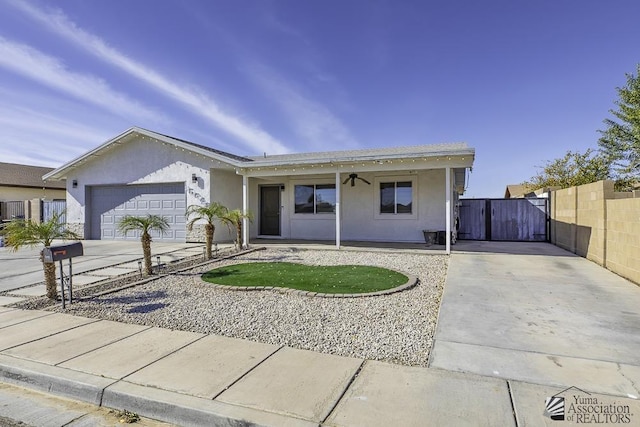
pixel 520 220
pixel 13 210
pixel 51 207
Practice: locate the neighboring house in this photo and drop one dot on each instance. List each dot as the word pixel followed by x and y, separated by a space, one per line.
pixel 389 194
pixel 518 191
pixel 19 183
pixel 514 191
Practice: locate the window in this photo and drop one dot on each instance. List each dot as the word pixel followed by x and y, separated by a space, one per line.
pixel 315 199
pixel 396 197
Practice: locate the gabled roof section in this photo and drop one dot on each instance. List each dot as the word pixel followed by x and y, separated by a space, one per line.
pixel 390 153
pixel 25 176
pixel 222 156
pixel 203 147
pixel 517 190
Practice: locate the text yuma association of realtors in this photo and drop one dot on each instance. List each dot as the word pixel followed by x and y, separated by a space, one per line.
pixel 590 410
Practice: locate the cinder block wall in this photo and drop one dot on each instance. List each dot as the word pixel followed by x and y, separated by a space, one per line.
pixel 563 218
pixel 596 223
pixel 623 237
pixel 591 220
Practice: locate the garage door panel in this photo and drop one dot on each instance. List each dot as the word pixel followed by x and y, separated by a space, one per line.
pixel 110 204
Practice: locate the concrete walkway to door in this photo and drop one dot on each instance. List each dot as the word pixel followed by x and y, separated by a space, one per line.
pixel 536 313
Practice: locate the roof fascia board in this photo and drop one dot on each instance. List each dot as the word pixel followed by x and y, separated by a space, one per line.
pixel 57 174
pixel 359 159
pixel 189 147
pixel 297 170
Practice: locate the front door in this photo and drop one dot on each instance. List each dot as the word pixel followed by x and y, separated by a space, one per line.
pixel 270 210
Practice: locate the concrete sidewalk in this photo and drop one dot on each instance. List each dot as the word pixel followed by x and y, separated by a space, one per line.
pixel 202 380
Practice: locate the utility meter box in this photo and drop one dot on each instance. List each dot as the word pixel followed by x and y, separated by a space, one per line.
pixel 60 252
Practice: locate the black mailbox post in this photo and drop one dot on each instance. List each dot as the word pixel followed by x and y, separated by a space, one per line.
pixel 59 253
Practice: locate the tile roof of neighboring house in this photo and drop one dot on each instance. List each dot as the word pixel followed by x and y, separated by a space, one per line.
pixel 411 151
pixel 15 175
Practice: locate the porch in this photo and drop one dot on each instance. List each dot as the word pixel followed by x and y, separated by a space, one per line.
pixel 360 246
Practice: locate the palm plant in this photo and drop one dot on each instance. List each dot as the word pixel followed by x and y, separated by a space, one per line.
pixel 209 213
pixel 144 224
pixel 234 219
pixel 22 232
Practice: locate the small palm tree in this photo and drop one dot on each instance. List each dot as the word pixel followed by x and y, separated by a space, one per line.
pixel 209 213
pixel 144 224
pixel 21 233
pixel 234 219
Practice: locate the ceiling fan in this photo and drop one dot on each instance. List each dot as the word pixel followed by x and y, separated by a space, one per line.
pixel 353 177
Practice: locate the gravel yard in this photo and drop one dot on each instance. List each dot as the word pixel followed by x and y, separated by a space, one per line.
pixel 396 328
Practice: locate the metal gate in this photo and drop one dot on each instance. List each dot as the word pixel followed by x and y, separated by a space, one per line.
pixel 51 207
pixel 518 220
pixel 13 210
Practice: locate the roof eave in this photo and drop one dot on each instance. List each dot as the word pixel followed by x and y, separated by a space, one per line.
pixel 60 173
pixel 356 159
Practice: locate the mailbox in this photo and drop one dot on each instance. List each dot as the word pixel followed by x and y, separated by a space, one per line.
pixel 60 252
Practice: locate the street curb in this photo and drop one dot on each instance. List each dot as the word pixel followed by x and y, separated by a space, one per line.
pixel 52 379
pixel 187 410
pixel 149 402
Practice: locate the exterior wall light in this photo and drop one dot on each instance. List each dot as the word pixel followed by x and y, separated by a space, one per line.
pixel 194 178
pixel 74 183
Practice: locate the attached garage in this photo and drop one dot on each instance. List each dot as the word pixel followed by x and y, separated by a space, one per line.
pixel 108 204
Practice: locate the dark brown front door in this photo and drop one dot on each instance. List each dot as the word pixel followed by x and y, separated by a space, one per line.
pixel 270 210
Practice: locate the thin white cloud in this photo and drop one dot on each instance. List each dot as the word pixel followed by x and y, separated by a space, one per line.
pixel 49 71
pixel 315 124
pixel 24 120
pixel 198 103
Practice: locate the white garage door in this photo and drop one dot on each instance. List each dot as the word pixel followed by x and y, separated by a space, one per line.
pixel 110 203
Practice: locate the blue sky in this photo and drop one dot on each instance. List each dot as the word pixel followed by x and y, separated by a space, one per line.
pixel 521 82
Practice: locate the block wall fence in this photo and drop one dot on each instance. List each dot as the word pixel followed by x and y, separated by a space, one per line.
pixel 595 222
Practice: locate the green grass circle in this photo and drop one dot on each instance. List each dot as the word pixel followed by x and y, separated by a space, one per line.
pixel 341 279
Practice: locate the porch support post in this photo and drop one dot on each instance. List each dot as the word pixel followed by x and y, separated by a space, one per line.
pixel 447 187
pixel 338 210
pixel 245 210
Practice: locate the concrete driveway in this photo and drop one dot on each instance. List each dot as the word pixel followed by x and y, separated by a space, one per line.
pixel 23 268
pixel 539 314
